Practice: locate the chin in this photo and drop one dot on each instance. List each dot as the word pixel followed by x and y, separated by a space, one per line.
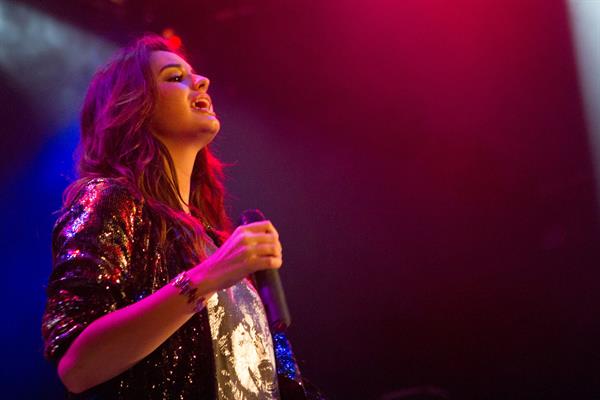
pixel 215 126
pixel 210 126
pixel 207 133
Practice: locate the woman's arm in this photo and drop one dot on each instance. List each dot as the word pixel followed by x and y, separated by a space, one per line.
pixel 118 340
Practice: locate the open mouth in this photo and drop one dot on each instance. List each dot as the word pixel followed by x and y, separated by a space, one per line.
pixel 201 104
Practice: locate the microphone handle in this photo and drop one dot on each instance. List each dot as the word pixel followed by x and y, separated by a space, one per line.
pixel 268 284
pixel 271 292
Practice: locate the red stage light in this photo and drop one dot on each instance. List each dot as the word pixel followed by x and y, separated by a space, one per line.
pixel 174 40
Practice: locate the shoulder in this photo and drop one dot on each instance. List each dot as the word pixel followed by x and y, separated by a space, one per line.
pixel 97 201
pixel 102 195
pixel 105 191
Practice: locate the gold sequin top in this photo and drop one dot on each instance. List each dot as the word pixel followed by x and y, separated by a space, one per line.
pixel 106 256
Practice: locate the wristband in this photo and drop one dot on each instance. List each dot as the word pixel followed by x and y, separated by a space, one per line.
pixel 182 283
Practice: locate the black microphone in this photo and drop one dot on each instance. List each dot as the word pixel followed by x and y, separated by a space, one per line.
pixel 269 285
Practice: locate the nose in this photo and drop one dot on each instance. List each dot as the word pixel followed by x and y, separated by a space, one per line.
pixel 201 83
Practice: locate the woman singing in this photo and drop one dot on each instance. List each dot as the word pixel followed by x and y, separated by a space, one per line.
pixel 149 296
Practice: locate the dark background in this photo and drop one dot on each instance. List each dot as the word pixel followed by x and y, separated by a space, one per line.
pixel 426 164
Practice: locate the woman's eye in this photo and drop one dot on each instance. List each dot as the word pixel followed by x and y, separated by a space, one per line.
pixel 176 78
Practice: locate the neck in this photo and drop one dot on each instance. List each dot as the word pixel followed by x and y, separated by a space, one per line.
pixel 183 160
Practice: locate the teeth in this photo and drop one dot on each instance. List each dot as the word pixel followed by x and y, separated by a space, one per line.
pixel 200 104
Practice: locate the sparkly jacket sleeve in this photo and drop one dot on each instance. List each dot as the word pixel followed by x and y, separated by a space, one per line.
pixel 91 251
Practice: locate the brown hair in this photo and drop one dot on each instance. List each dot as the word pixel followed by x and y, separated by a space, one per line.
pixel 116 143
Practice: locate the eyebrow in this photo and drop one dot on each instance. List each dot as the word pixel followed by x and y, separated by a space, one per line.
pixel 175 66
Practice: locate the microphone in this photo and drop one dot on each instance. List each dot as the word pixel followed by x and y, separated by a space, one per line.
pixel 269 285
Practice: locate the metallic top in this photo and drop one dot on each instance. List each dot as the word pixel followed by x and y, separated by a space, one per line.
pixel 106 256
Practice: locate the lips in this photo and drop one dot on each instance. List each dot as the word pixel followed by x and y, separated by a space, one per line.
pixel 202 103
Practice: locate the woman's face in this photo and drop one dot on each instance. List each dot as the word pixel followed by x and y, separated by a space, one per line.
pixel 184 112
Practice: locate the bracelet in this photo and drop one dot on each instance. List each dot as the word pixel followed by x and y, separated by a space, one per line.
pixel 182 282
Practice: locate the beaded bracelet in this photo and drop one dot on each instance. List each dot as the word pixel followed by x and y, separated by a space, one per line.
pixel 182 282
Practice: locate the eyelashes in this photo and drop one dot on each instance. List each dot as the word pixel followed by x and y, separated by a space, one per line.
pixel 175 78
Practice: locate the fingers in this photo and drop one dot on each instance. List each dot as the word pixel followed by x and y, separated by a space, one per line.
pixel 269 263
pixel 269 249
pixel 250 248
pixel 253 239
pixel 260 227
pixel 257 233
pixel 264 256
pixel 259 242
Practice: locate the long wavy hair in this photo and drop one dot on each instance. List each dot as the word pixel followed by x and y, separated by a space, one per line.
pixel 116 142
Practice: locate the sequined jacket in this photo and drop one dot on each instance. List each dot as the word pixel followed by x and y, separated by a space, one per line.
pixel 106 255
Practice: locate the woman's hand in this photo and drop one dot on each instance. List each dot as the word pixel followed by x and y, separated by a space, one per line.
pixel 252 247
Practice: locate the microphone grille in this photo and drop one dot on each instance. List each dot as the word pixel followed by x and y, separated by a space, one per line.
pixel 251 215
